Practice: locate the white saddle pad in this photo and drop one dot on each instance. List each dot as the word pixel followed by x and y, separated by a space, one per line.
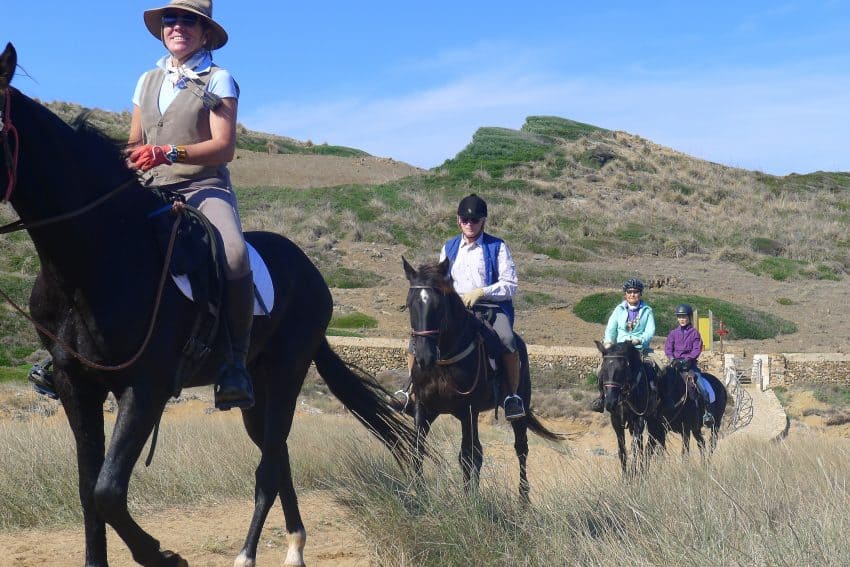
pixel 262 282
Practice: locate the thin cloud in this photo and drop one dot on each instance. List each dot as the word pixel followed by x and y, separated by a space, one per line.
pixel 765 121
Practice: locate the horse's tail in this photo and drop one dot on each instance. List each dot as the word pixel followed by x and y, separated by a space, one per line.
pixel 365 398
pixel 538 428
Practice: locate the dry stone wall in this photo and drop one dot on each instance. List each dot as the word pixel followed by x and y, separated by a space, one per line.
pixel 810 368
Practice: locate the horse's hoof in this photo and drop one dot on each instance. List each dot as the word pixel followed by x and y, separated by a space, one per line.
pixel 171 559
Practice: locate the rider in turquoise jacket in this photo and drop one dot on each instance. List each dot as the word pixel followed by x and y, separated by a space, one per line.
pixel 624 326
pixel 631 321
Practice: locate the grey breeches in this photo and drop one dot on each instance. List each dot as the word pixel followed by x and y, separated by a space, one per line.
pixel 219 206
pixel 502 326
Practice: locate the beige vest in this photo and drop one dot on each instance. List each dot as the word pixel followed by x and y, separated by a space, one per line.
pixel 185 122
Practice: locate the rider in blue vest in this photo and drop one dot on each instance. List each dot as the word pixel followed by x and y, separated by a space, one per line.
pixel 484 275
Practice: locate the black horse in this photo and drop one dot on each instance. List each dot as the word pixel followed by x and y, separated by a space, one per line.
pixel 682 411
pixel 452 372
pixel 94 302
pixel 630 402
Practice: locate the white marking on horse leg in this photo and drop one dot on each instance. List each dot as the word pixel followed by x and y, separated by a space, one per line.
pixel 243 560
pixel 295 552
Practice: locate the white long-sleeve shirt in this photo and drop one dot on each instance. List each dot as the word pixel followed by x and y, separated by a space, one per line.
pixel 468 270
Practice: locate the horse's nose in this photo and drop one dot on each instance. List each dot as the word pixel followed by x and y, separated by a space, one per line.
pixel 611 399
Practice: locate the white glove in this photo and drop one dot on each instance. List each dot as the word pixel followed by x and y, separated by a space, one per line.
pixel 470 298
pixel 637 342
pixel 607 344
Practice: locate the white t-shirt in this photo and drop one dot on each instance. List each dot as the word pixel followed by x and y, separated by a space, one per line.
pixel 221 83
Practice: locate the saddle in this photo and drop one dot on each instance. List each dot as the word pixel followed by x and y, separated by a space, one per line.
pixel 197 254
pixel 485 315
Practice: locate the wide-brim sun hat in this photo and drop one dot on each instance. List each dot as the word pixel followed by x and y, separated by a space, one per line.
pixel 203 8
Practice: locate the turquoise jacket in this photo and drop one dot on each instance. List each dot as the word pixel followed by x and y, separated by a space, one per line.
pixel 615 331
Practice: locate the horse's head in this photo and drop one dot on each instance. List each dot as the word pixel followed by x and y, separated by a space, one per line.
pixel 46 166
pixel 620 364
pixel 9 142
pixel 431 300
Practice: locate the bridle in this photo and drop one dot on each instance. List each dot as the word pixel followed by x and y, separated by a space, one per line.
pixel 7 129
pixel 625 387
pixel 10 158
pixel 476 342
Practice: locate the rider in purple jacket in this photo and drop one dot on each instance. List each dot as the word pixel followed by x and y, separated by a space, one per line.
pixel 684 343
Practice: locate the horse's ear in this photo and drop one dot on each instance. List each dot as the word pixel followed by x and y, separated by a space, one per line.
pixel 408 270
pixel 8 62
pixel 600 346
pixel 443 268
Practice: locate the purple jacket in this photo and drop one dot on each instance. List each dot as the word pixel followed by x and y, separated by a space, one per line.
pixel 683 342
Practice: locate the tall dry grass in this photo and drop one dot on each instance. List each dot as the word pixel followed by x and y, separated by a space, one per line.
pixel 755 504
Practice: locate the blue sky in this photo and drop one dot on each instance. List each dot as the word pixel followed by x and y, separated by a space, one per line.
pixel 760 85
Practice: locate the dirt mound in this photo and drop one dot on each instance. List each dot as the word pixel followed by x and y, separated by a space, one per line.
pixel 299 171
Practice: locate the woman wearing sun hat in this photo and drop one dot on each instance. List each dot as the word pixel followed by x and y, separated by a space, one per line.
pixel 183 134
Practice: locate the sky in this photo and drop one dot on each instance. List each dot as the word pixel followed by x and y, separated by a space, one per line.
pixel 762 85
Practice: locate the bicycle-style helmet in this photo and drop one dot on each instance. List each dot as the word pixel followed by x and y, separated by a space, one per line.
pixel 633 283
pixel 684 309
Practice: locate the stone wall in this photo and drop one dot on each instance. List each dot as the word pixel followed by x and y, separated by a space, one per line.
pixel 557 367
pixel 809 368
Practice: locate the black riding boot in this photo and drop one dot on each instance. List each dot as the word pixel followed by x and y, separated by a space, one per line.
pixel 233 384
pixel 41 377
pixel 598 403
pixel 514 408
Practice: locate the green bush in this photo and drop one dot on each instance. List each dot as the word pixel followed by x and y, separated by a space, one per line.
pixel 354 320
pixel 741 322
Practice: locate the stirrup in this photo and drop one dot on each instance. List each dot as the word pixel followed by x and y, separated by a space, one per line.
pixel 402 394
pixel 233 388
pixel 598 405
pixel 514 408
pixel 41 378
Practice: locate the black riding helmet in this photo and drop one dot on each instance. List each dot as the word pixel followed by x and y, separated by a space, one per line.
pixel 684 309
pixel 633 283
pixel 472 206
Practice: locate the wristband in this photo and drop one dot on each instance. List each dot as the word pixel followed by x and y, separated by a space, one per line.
pixel 176 154
pixel 171 153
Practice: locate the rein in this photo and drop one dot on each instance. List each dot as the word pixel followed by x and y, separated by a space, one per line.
pixel 11 159
pixel 479 343
pixel 90 363
pixel 626 389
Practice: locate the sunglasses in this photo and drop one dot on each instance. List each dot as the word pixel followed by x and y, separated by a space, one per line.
pixel 469 220
pixel 632 292
pixel 186 20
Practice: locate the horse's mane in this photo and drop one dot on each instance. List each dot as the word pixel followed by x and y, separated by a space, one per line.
pixel 433 276
pixel 96 141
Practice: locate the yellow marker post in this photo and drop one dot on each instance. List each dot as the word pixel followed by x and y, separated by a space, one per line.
pixel 704 326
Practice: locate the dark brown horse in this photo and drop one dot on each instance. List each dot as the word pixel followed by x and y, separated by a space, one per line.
pixel 94 304
pixel 682 411
pixel 630 403
pixel 452 373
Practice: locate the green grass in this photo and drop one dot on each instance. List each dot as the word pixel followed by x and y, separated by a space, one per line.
pixel 533 299
pixel 496 149
pixel 779 269
pixel 557 127
pixel 355 320
pixel 14 373
pixel 742 323
pixel 350 278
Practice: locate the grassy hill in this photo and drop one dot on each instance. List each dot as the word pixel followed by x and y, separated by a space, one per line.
pixel 568 190
pixel 117 126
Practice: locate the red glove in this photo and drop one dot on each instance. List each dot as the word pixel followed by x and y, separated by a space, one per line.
pixel 149 156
